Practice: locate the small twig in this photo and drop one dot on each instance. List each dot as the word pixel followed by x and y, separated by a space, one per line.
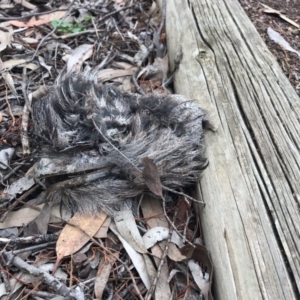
pixel 14 171
pixel 6 281
pixel 20 199
pixel 96 29
pixel 33 248
pixel 9 108
pixel 172 224
pixel 177 61
pixel 114 12
pixel 30 239
pixel 162 261
pixel 55 56
pixel 134 75
pixel 30 292
pixel 71 271
pixel 117 28
pixel 139 206
pixel 25 117
pixel 30 15
pixel 138 88
pixel 50 280
pixel 40 294
pixel 71 35
pixel 53 30
pixel 156 35
pixel 183 194
pixel 188 217
pixel 115 256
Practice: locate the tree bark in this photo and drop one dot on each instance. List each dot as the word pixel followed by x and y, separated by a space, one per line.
pixel 251 187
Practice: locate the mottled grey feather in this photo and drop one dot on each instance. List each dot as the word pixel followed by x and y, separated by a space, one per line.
pixel 78 115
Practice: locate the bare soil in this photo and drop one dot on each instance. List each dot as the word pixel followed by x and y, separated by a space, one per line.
pixel 289 61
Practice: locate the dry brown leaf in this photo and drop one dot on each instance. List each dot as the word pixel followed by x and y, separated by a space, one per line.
pixel 108 74
pixel 153 208
pixel 25 4
pixel 126 84
pixel 36 21
pixel 127 228
pixel 9 82
pixel 103 274
pixel 29 32
pixel 136 258
pixel 29 40
pixel 151 176
pixel 20 185
pixel 43 64
pixel 270 10
pixel 20 217
pixel 156 14
pixel 39 93
pixel 59 214
pixel 6 35
pixel 122 65
pixel 277 38
pixel 79 55
pixel 162 290
pixel 102 232
pixel 119 4
pixel 201 278
pixel 43 218
pixel 77 233
pixel 161 67
pixel 31 66
pixel 197 256
pixel 153 212
pixel 12 63
pixel 154 215
pixel 200 254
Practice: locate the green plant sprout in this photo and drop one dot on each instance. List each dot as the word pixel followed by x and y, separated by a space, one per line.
pixel 66 27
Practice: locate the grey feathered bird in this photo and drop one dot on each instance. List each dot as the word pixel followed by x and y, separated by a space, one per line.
pixel 82 121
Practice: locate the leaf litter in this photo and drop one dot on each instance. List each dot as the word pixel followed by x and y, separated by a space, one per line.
pixel 146 250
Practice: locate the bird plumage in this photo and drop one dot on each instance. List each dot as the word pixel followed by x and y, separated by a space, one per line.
pixel 79 117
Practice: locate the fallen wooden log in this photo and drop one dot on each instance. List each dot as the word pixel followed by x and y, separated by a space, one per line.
pixel 251 220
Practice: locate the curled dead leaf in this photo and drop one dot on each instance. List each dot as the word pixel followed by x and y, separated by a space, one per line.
pixel 151 176
pixel 79 55
pixel 40 20
pixel 6 35
pixel 76 234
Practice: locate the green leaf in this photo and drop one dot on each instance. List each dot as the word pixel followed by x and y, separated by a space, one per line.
pixel 77 29
pixel 54 23
pixel 88 18
pixel 66 25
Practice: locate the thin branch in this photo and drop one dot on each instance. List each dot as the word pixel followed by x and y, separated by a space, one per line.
pixel 30 239
pixel 172 224
pixel 20 199
pixel 54 29
pixel 25 116
pixel 48 279
pixel 156 36
pixel 162 261
pixel 9 108
pixel 183 194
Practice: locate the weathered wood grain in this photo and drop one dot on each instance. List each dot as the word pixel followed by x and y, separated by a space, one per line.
pixel 251 220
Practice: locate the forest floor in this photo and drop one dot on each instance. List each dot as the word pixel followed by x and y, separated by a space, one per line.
pixel 87 256
pixel 127 38
pixel 283 17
